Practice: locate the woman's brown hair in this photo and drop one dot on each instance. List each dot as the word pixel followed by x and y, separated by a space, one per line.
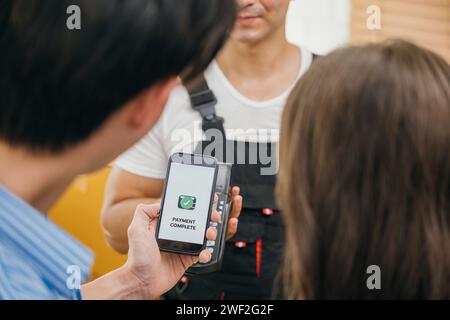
pixel 365 175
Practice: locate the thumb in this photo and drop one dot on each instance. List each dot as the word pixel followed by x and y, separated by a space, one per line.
pixel 146 217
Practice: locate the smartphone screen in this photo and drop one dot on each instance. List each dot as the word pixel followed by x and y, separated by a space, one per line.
pixel 186 207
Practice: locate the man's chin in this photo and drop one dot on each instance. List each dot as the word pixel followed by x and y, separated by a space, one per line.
pixel 248 36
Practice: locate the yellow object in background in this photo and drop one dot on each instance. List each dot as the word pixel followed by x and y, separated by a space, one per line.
pixel 78 212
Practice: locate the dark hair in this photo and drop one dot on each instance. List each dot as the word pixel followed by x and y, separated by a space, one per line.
pixel 57 86
pixel 365 175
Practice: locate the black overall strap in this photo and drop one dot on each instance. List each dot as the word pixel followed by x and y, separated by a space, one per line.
pixel 204 102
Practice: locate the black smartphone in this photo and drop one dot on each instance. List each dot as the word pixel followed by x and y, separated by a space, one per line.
pixel 186 203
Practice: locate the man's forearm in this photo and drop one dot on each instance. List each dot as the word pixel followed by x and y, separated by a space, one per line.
pixel 117 218
pixel 119 284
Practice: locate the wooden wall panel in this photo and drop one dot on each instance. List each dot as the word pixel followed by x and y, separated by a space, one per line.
pixel 425 22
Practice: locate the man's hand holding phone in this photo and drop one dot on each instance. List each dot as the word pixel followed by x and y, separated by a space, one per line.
pixel 235 212
pixel 157 272
pixel 149 273
pixel 164 241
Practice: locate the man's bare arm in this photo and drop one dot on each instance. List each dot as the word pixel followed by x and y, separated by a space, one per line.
pixel 124 192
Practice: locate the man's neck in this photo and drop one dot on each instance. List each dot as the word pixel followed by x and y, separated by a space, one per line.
pixel 261 71
pixel 37 179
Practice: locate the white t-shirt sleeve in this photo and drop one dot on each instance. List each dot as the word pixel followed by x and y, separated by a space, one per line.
pixel 148 157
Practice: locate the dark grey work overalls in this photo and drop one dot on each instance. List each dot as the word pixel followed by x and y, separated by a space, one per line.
pixel 252 257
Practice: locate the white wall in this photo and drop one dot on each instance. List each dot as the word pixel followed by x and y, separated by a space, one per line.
pixel 319 25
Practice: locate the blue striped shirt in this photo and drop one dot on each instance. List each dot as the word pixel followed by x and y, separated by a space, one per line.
pixel 38 260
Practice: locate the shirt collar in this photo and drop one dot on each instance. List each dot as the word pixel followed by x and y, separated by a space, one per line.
pixel 63 261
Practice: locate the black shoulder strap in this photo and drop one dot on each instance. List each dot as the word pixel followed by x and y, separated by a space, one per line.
pixel 204 102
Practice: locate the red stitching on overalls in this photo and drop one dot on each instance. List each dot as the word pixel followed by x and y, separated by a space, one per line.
pixel 258 257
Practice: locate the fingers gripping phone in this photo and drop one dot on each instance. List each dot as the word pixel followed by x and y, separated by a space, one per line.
pixel 187 203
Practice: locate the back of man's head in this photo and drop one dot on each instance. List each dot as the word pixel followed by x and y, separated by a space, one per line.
pixel 57 86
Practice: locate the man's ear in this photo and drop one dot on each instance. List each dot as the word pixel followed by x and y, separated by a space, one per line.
pixel 148 107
